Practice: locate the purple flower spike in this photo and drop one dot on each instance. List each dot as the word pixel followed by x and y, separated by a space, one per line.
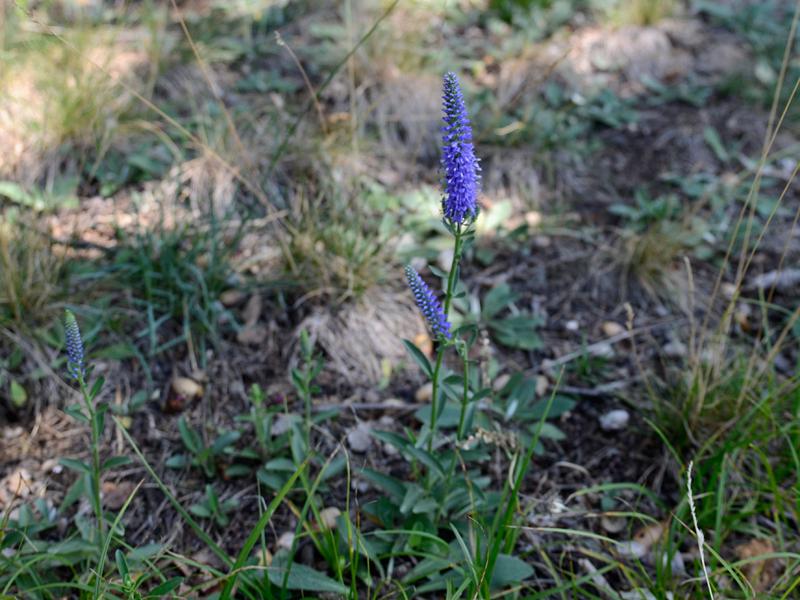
pixel 461 168
pixel 428 305
pixel 74 344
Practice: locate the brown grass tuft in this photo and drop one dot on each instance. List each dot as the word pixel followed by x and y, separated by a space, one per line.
pixel 363 338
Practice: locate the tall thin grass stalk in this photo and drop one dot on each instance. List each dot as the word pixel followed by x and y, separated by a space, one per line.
pixel 701 540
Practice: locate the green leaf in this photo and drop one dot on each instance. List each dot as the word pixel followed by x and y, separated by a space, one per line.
pixel 560 405
pixel 16 193
pixel 98 385
pixel 414 494
pixel 142 553
pixel 18 394
pixel 15 359
pixel 238 471
pixel 76 412
pixel 419 357
pixel 302 577
pixel 508 570
pixel 119 351
pixel 297 442
pixel 394 487
pixel 75 465
pixel 230 504
pixel 100 416
pixel 426 458
pixel 391 438
pixel 138 400
pixel 225 440
pixel 280 464
pixel 336 466
pixel 438 272
pixel 177 461
pixel 74 492
pixel 165 588
pixel 551 432
pixel 518 331
pixel 447 418
pixel 191 439
pixel 114 462
pixel 711 136
pixel 200 510
pixel 213 499
pixel 299 382
pixel 496 300
pixel 273 480
pixel 122 564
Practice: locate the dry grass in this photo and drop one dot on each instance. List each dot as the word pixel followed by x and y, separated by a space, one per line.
pixel 60 97
pixel 642 12
pixel 30 272
pixel 361 339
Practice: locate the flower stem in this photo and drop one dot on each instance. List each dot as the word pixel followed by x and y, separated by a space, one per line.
pixel 464 400
pixel 452 277
pixel 95 444
pixel 460 431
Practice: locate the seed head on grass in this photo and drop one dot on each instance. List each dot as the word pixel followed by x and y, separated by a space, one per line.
pixel 458 157
pixel 428 304
pixel 75 363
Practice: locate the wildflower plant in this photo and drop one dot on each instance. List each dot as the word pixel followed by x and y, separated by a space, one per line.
pixel 89 412
pixel 447 490
pixel 93 413
pixel 459 210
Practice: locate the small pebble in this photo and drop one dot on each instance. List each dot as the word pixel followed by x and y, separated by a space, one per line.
pixel 542 384
pixel 613 524
pixel 675 349
pixel 632 548
pixel 541 241
pixel 424 393
pixel 500 382
pixel 615 420
pixel 390 450
pixel 286 540
pixel 612 328
pixel 359 438
pixel 394 403
pixel 281 425
pixel 603 350
pixel 328 516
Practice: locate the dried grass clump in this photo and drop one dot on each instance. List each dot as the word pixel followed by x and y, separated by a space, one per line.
pixel 362 338
pixel 64 96
pixel 30 272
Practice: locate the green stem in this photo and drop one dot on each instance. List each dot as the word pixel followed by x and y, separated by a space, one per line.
pixel 460 431
pixel 452 277
pixel 434 395
pixel 464 400
pixel 95 444
pixel 307 400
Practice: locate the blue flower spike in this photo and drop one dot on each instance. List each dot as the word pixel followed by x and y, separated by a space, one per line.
pixel 75 357
pixel 461 168
pixel 428 304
